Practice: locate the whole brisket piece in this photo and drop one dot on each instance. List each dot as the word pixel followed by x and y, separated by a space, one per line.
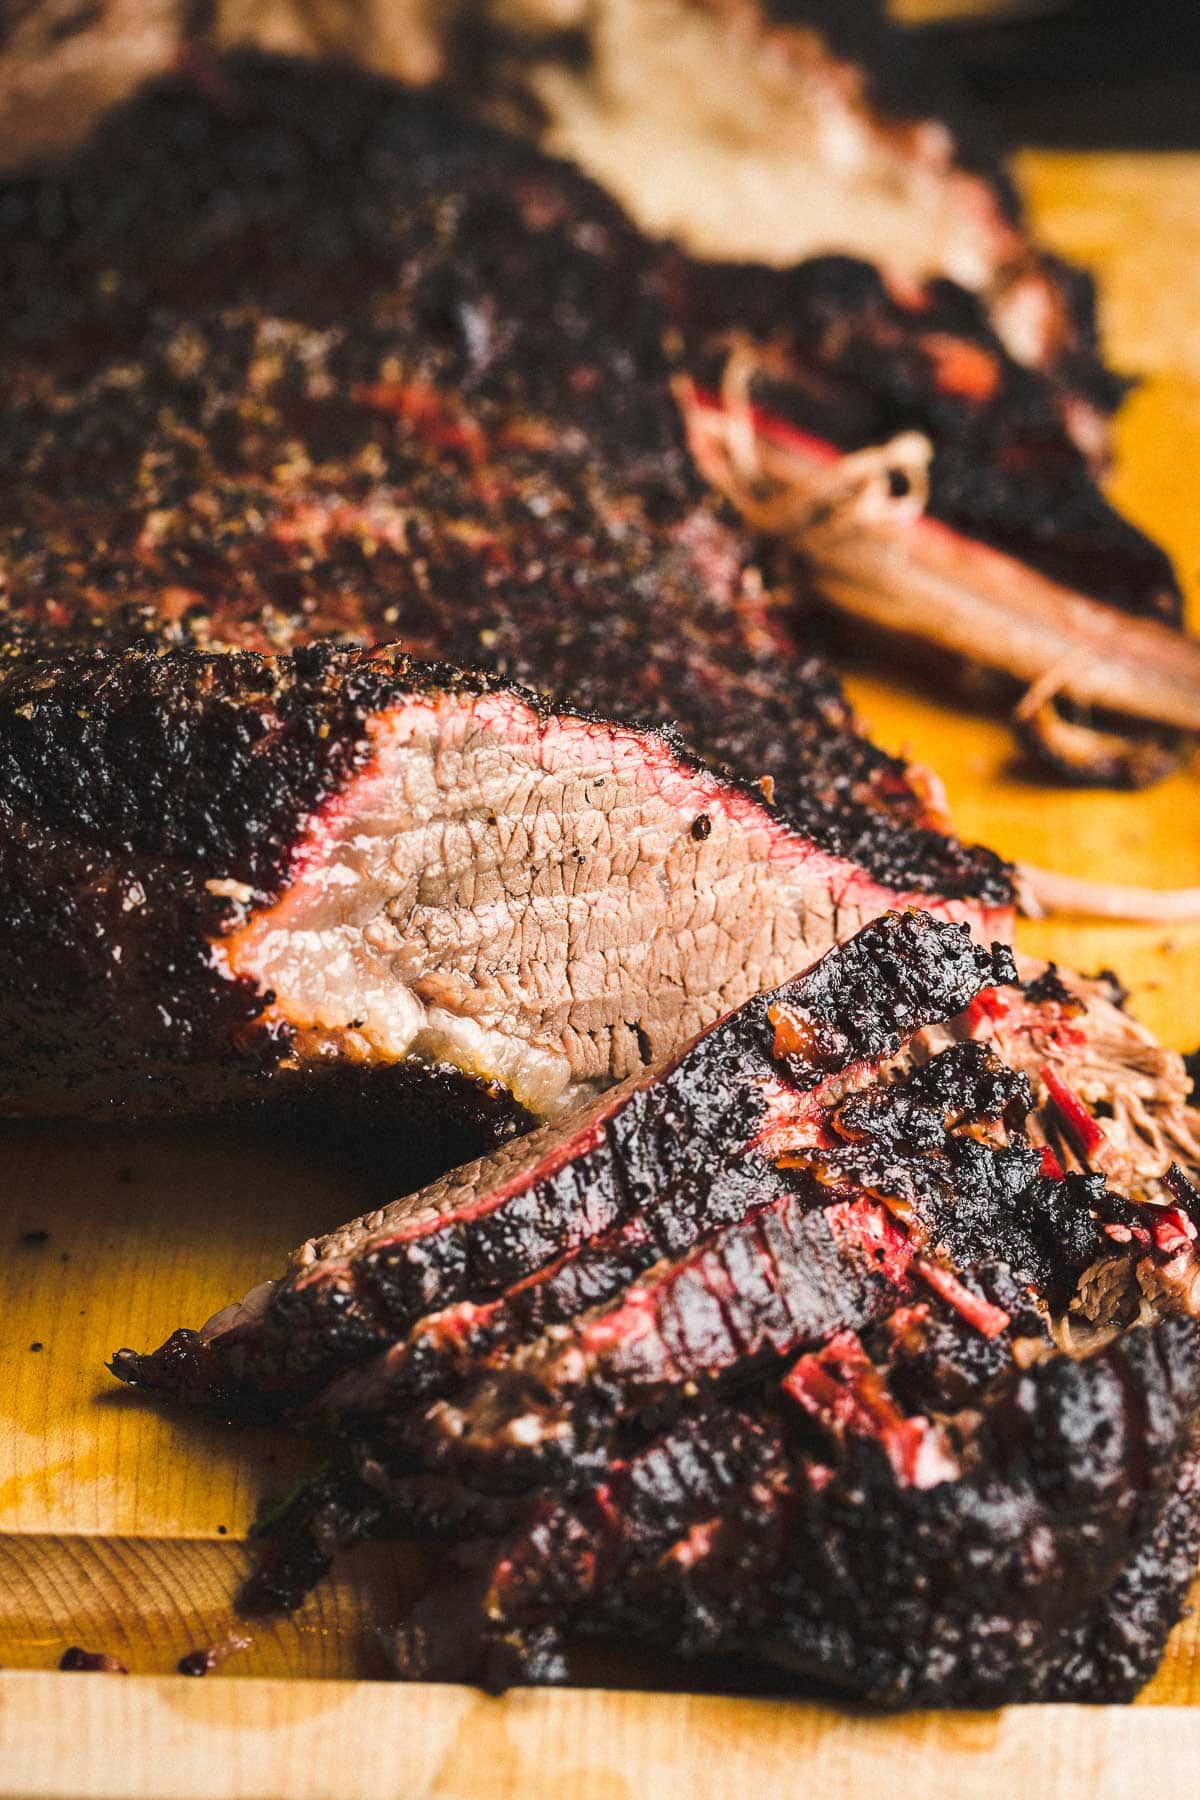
pixel 313 861
pixel 429 249
pixel 806 1349
pixel 223 868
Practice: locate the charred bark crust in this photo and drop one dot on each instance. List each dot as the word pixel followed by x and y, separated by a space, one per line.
pixel 763 1358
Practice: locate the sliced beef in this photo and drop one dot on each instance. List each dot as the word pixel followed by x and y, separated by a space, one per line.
pixel 1003 1581
pixel 1034 1540
pixel 645 1171
pixel 743 132
pixel 506 1248
pixel 785 1276
pixel 857 1233
pixel 1034 1544
pixel 791 1350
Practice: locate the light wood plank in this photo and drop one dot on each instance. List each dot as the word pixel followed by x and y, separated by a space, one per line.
pixel 250 1740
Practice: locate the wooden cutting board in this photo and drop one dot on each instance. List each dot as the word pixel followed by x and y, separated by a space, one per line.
pixel 123 1530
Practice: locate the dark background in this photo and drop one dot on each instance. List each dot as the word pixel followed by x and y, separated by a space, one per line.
pixel 1117 73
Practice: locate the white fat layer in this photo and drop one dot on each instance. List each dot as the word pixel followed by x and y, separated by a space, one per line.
pixel 495 888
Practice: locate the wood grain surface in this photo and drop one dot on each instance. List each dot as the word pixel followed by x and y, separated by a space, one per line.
pixel 273 1740
pixel 123 1530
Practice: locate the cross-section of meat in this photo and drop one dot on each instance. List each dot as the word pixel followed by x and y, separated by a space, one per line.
pixel 223 872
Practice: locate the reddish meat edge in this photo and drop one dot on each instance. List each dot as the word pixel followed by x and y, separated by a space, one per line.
pixel 523 897
pixel 1128 1117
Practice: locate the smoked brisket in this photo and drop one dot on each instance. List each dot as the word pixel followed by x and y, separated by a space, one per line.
pixel 381 241
pixel 807 1350
pixel 439 418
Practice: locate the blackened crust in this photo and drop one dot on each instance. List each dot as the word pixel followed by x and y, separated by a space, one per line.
pixel 970 1592
pixel 678 1147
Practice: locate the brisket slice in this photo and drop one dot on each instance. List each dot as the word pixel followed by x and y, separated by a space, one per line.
pixel 791 1351
pixel 420 248
pixel 1035 1543
pixel 827 155
pixel 573 1213
pixel 1034 1540
pixel 504 1248
pixel 891 1198
pixel 1001 1581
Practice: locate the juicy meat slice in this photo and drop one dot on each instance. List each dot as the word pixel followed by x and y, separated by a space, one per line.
pixel 804 1338
pixel 644 1171
pixel 1003 1582
pixel 676 1209
pixel 807 1521
pixel 885 1190
pixel 783 1277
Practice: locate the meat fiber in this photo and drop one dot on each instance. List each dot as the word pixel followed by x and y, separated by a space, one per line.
pixel 806 1348
pixel 224 868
